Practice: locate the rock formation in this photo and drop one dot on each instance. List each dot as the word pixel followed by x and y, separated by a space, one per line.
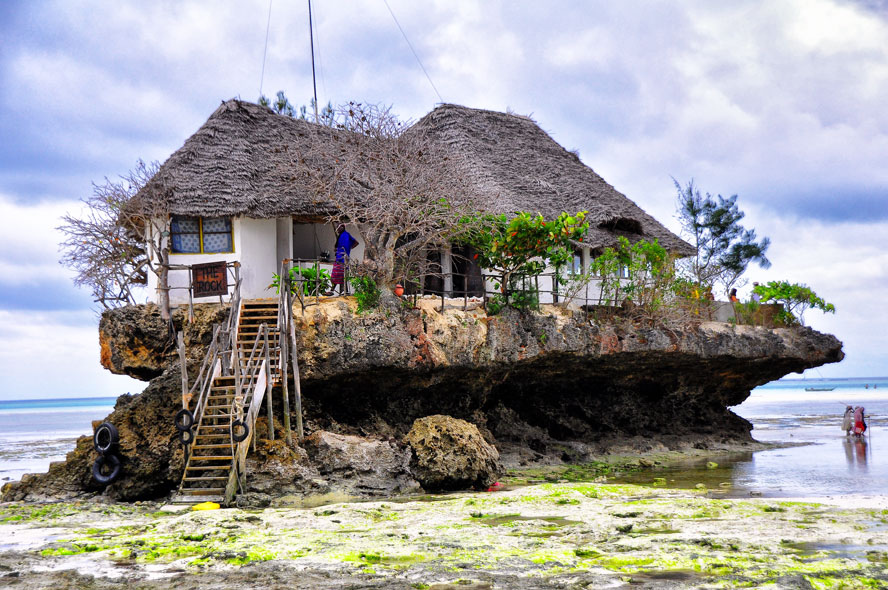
pixel 551 386
pixel 450 454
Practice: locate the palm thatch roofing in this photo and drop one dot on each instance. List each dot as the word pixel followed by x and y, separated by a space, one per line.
pixel 240 162
pixel 518 167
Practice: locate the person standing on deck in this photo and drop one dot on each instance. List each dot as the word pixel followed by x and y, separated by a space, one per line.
pixel 344 244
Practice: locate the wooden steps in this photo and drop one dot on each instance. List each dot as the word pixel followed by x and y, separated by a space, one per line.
pixel 210 464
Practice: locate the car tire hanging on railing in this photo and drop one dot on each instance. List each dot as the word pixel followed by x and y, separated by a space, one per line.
pixel 239 430
pixel 186 437
pixel 184 419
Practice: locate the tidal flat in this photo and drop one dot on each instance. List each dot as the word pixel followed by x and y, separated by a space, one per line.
pixel 550 535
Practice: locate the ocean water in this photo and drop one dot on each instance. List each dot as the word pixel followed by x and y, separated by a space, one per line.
pixel 33 433
pixel 832 464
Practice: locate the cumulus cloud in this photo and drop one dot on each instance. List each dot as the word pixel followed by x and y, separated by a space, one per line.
pixel 781 103
pixel 69 341
pixel 846 264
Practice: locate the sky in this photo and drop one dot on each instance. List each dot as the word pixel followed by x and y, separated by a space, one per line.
pixel 782 102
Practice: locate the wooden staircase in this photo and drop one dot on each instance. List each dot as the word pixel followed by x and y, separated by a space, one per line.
pixel 254 313
pixel 214 466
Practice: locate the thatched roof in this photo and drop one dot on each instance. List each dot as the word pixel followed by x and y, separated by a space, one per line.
pixel 240 162
pixel 518 167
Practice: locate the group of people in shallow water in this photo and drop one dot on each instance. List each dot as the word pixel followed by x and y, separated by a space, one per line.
pixel 854 421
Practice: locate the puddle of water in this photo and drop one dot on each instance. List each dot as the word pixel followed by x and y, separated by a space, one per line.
pixel 863 553
pixel 23 538
pixel 497 520
pixel 655 531
pixel 719 481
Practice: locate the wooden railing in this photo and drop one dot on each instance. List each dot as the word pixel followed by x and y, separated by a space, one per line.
pixel 254 386
pixel 232 268
pixel 217 361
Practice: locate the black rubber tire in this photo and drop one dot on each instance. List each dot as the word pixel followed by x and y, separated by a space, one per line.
pixel 239 436
pixel 186 437
pixel 110 461
pixel 184 419
pixel 106 438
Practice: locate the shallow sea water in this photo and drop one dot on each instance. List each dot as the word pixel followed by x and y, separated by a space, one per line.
pixel 826 462
pixel 34 433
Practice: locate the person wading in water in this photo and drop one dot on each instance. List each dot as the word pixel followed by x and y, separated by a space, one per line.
pixel 859 422
pixel 848 420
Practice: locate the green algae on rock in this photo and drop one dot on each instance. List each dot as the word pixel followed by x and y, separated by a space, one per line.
pixel 678 538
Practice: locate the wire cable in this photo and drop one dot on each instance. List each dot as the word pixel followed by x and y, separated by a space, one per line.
pixel 320 56
pixel 314 82
pixel 409 44
pixel 265 50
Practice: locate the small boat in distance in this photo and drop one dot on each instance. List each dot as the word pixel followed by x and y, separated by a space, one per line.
pixel 819 388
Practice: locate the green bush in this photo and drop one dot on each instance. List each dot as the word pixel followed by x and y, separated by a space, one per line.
pixel 314 281
pixel 496 304
pixel 643 273
pixel 796 298
pixel 366 292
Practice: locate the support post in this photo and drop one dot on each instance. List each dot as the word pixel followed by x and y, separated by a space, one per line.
pixel 282 343
pixel 180 338
pixel 447 270
pixel 268 388
pixel 294 357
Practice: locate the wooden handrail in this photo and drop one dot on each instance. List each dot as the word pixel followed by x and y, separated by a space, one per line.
pixel 256 382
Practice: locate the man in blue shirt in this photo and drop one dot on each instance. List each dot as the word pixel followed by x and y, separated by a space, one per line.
pixel 344 244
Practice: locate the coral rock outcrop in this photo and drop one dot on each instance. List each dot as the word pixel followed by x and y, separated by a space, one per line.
pixel 451 454
pixel 554 385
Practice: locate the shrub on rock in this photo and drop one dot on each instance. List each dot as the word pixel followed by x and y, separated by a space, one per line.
pixel 450 454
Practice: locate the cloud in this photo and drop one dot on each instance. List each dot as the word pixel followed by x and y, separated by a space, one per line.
pixel 781 103
pixel 66 340
pixel 31 277
pixel 846 264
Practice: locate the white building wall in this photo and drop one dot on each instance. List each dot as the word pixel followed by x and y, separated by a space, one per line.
pixel 258 251
pixel 255 247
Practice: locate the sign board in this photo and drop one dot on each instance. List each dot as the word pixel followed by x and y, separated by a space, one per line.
pixel 209 279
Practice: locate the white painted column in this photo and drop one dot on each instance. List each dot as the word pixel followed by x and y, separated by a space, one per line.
pixel 284 246
pixel 446 270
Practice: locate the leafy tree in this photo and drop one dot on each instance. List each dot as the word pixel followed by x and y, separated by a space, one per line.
pixel 522 248
pixel 724 248
pixel 796 299
pixel 403 190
